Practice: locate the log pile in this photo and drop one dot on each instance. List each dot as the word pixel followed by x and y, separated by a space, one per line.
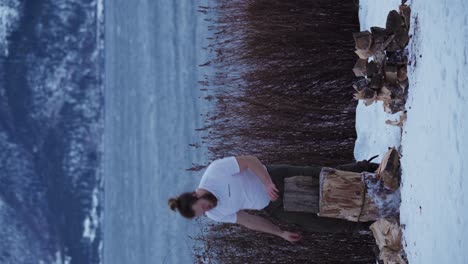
pixel 383 62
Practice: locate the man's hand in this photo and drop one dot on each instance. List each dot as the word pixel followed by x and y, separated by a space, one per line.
pixel 272 191
pixel 261 224
pixel 290 236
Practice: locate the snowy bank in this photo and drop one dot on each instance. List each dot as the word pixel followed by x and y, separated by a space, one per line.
pixel 433 143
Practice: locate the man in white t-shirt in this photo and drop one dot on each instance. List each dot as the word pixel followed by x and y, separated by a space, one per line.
pixel 230 186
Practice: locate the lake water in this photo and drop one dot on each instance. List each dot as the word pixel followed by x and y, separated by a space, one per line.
pixel 152 108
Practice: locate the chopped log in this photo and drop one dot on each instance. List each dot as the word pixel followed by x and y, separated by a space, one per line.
pixel 379 57
pixel 384 45
pixel 393 46
pixel 405 12
pixel 379 34
pixel 384 95
pixel 360 67
pixel 365 54
pixel 343 195
pixel 395 102
pixel 391 73
pixel 376 48
pixel 399 122
pixel 396 105
pixel 387 233
pixel 368 93
pixel 372 69
pixel 402 74
pixel 404 85
pixel 301 194
pixel 360 85
pixel 402 38
pixel 368 102
pixel 394 22
pixel 388 237
pixel 398 95
pixel 397 57
pixel 376 82
pixel 389 170
pixel 363 40
pixel 365 94
pixel 396 91
pixel 391 257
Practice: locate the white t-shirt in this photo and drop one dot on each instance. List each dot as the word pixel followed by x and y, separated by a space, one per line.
pixel 234 190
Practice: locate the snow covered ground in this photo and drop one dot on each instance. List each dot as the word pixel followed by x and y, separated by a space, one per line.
pixel 433 141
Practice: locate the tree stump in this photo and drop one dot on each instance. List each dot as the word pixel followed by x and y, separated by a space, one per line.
pixel 301 194
pixel 343 195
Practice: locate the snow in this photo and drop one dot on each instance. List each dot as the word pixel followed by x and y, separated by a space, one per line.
pixel 374 137
pixel 60 258
pixel 91 222
pixel 9 17
pixel 433 143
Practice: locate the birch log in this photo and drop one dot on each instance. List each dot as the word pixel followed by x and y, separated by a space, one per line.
pixel 343 195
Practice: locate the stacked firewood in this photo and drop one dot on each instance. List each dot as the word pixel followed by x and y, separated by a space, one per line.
pixel 383 62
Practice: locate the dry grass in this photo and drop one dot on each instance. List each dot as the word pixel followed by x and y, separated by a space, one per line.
pixel 283 81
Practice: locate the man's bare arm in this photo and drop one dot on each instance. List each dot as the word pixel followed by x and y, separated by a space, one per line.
pixel 256 166
pixel 261 224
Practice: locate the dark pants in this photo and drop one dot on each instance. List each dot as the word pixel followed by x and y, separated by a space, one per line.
pixel 309 221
